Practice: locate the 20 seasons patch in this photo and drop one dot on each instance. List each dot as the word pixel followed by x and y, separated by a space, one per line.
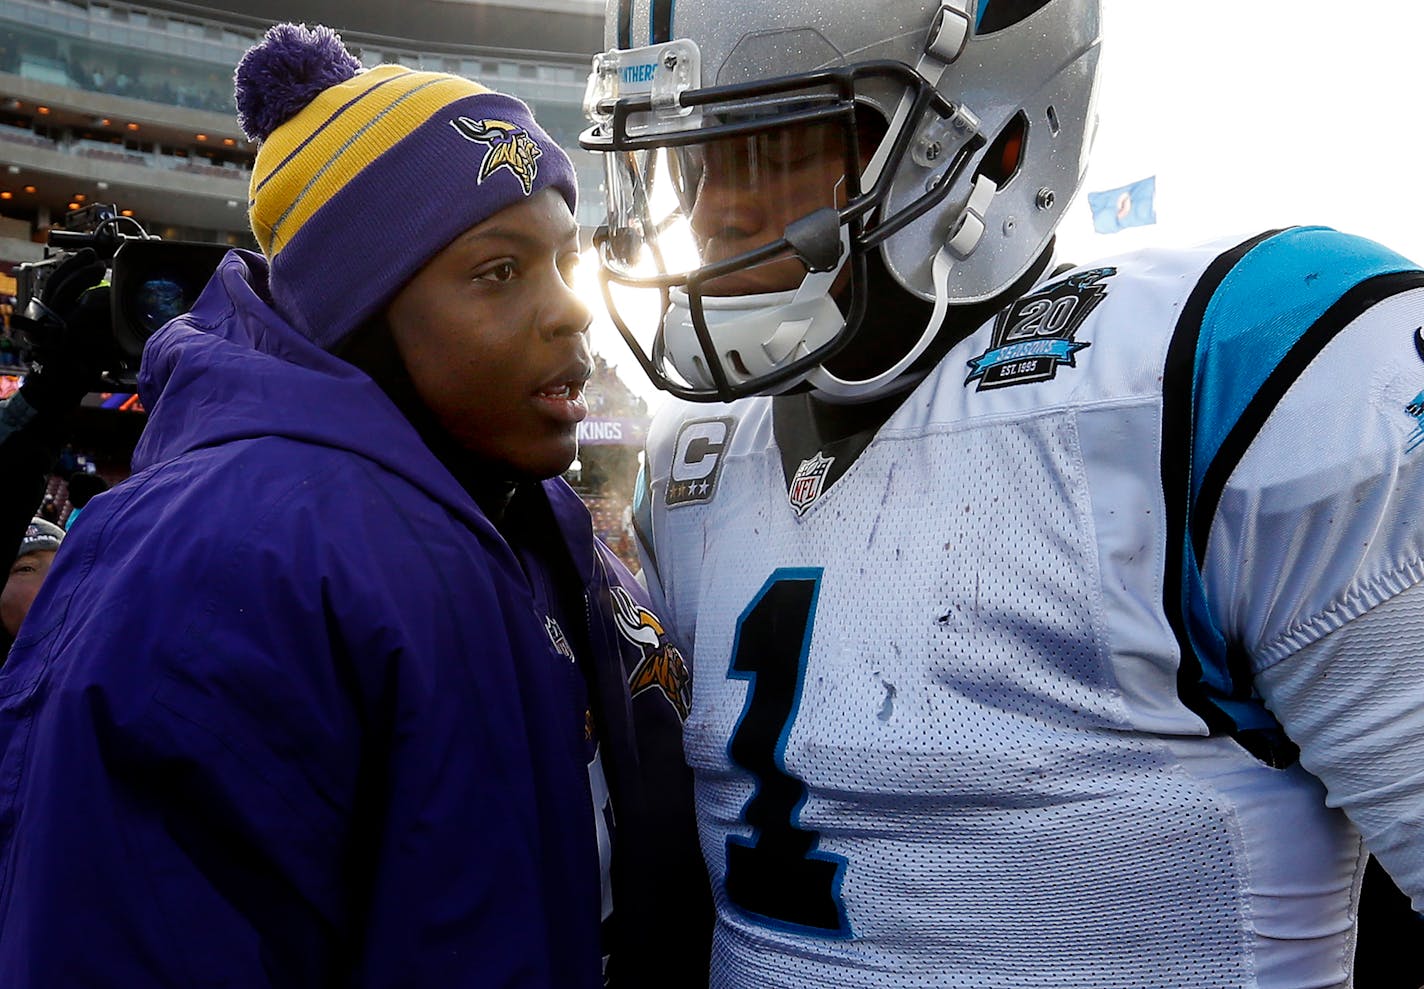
pixel 1033 338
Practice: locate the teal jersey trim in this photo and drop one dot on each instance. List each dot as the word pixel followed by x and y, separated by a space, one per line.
pixel 1284 298
pixel 1265 305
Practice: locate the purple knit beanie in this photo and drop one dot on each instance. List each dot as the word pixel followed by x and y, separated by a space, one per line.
pixel 363 175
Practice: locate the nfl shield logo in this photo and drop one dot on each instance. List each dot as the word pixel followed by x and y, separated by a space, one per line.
pixel 809 482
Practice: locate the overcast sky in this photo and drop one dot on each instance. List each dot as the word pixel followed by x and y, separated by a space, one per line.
pixel 1258 114
pixel 1252 115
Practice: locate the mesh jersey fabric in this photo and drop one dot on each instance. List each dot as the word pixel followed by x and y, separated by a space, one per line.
pixel 938 727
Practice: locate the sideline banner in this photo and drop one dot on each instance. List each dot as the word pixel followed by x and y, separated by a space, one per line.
pixel 606 431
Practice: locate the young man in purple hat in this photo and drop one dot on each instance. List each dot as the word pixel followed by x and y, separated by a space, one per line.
pixel 334 690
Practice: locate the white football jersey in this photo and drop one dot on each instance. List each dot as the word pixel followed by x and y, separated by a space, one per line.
pixel 981 712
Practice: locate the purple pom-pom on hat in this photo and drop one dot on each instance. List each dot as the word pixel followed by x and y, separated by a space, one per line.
pixel 280 75
pixel 451 151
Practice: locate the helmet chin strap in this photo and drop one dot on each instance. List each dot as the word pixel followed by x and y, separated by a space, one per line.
pixel 779 327
pixel 841 392
pixel 963 237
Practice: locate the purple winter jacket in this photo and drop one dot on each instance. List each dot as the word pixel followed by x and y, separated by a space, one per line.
pixel 286 714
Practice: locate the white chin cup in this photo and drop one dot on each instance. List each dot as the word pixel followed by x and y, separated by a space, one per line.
pixel 754 335
pixel 896 378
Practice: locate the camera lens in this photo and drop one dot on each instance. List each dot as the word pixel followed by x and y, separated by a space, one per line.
pixel 153 282
pixel 160 299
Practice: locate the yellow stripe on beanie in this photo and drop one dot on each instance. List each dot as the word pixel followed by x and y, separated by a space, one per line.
pixel 362 176
pixel 308 160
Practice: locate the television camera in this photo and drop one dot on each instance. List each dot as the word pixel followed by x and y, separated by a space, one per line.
pixel 150 281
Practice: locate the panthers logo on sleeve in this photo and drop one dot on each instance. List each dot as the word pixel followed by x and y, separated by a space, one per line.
pixel 662 666
pixel 1415 408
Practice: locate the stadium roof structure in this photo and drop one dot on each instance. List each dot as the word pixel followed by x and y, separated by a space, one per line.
pixel 101 102
pixel 570 27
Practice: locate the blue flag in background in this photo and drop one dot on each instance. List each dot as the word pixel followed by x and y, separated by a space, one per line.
pixel 1128 206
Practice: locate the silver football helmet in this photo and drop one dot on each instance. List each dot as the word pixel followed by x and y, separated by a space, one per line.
pixel 756 153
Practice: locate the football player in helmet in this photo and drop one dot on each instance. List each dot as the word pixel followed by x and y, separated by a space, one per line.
pixel 1033 609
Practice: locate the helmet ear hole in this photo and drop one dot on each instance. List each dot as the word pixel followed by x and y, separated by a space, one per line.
pixel 1001 162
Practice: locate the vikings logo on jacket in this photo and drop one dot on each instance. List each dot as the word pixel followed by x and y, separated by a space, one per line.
pixel 510 147
pixel 662 665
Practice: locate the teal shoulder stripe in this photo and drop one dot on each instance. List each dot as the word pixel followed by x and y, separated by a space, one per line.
pixel 1259 311
pixel 1254 323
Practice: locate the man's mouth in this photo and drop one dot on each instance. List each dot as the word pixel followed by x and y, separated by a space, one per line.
pixel 568 391
pixel 563 397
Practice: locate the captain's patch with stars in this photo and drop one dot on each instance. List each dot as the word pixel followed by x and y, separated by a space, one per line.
pixel 697 458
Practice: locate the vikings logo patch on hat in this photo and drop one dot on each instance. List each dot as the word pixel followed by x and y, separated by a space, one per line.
pixel 338 142
pixel 510 146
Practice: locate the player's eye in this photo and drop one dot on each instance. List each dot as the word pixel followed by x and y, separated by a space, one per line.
pixel 503 270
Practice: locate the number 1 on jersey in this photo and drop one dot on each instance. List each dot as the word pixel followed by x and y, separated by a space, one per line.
pixel 777 874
